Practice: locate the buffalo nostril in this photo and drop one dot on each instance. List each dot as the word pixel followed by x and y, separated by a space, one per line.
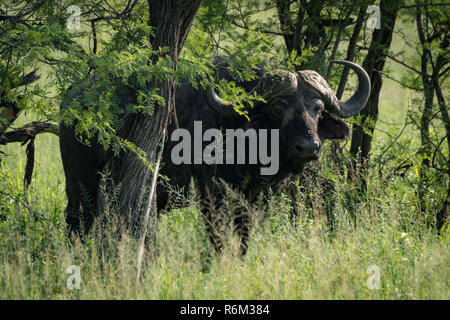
pixel 308 149
pixel 316 146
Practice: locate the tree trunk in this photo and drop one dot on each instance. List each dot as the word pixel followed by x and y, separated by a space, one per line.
pixel 426 118
pixel 351 49
pixel 287 27
pixel 314 35
pixel 373 63
pixel 336 151
pixel 172 21
pixel 443 216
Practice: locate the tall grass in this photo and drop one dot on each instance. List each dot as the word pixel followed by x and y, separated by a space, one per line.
pixel 285 260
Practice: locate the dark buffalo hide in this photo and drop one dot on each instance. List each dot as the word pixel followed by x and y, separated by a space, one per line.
pixel 300 105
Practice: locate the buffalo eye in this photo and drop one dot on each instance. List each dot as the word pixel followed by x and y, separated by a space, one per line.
pixel 277 108
pixel 317 106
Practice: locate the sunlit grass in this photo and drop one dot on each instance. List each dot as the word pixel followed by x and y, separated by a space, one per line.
pixel 284 261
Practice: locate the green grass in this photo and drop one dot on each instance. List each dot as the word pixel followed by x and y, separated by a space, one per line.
pixel 306 261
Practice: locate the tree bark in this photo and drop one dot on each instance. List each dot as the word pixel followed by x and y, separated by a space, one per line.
pixel 283 7
pixel 351 49
pixel 443 216
pixel 373 63
pixel 315 36
pixel 308 19
pixel 172 21
pixel 427 113
pixel 27 132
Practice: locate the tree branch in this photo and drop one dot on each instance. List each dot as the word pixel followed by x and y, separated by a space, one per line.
pixel 28 132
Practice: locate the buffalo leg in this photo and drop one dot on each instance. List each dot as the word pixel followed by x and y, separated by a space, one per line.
pixel 241 223
pixel 213 226
pixel 82 164
pixel 72 212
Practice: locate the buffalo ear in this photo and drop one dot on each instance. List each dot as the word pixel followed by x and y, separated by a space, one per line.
pixel 331 127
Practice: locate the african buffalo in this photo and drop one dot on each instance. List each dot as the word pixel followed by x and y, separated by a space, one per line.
pixel 300 105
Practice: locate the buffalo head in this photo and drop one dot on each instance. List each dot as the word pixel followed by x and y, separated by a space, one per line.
pixel 303 107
